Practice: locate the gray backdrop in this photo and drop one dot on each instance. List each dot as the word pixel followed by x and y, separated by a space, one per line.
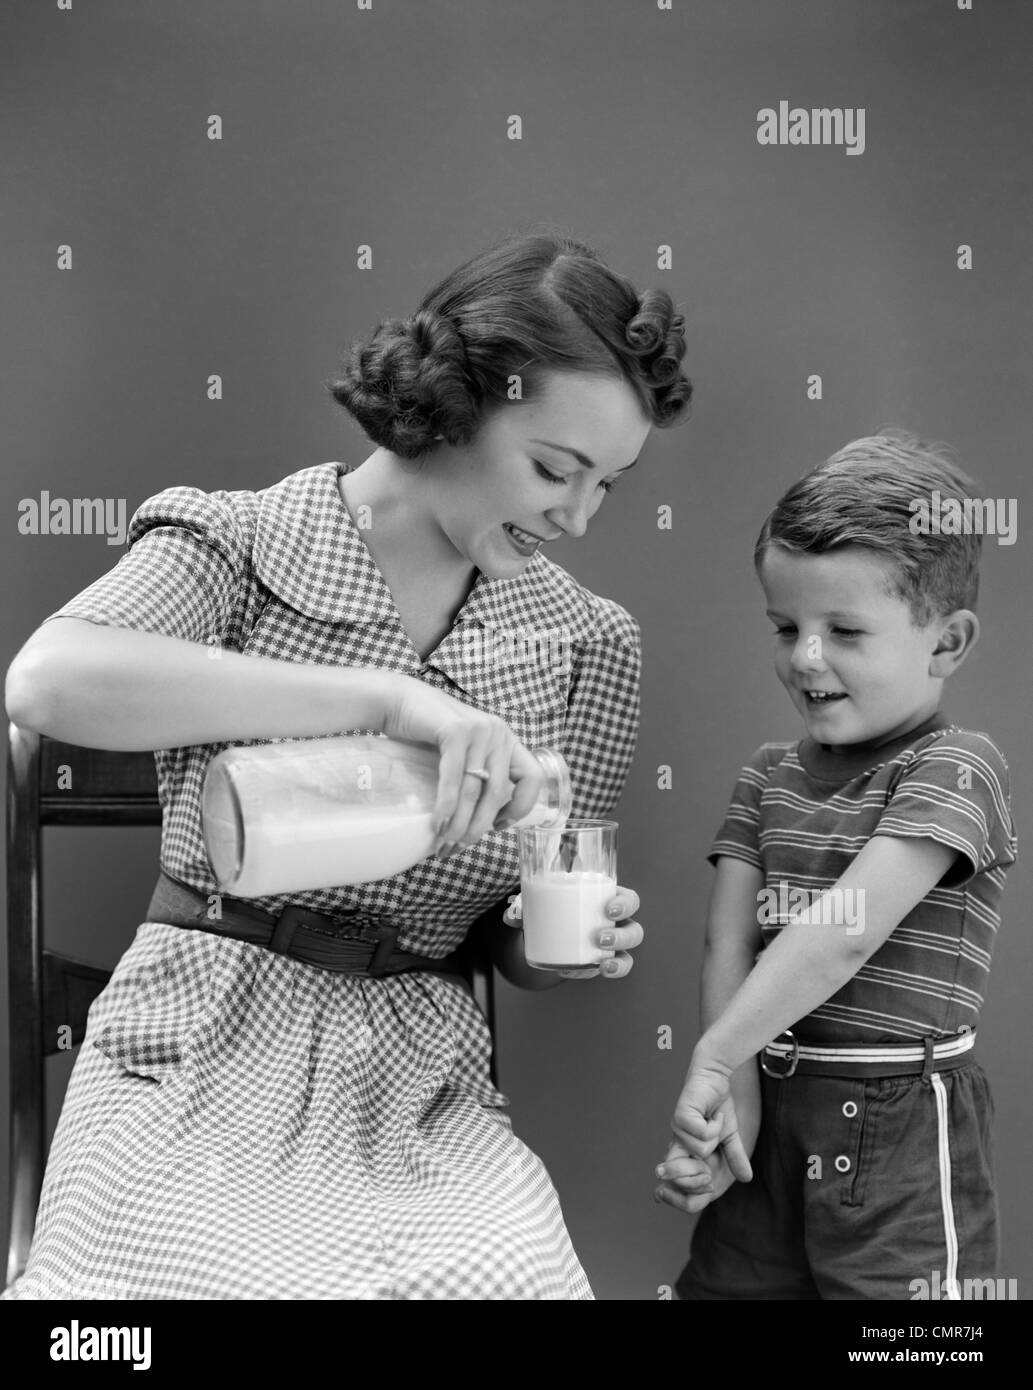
pixel 387 127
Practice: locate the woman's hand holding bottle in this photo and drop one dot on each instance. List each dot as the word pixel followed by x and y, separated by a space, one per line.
pixel 484 771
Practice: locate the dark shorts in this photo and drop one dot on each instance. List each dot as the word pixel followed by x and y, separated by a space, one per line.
pixel 862 1189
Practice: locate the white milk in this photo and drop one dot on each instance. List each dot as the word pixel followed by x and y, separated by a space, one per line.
pixel 562 915
pixel 331 849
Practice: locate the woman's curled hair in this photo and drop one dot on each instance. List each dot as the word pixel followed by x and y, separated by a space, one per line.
pixel 530 305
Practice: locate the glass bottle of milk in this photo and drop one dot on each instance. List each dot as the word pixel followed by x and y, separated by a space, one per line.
pixel 295 815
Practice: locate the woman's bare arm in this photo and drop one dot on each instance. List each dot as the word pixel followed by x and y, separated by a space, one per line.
pixel 113 687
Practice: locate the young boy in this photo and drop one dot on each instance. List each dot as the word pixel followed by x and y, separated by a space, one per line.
pixel 866 863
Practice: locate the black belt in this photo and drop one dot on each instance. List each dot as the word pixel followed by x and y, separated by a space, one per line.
pixel 298 932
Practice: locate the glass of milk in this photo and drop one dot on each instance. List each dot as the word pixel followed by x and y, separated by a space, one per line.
pixel 567 876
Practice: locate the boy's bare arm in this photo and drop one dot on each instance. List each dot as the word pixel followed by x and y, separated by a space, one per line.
pixel 733 935
pixel 733 939
pixel 732 942
pixel 808 962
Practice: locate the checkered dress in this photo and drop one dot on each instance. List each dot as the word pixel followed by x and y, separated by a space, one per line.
pixel 241 1125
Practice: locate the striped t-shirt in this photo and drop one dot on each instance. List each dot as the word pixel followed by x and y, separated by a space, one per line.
pixel 801 813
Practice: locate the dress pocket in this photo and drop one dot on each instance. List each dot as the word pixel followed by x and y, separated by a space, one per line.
pixel 471 1067
pixel 146 1018
pixel 526 685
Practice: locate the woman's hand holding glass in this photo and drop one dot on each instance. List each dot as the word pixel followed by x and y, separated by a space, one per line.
pixel 622 937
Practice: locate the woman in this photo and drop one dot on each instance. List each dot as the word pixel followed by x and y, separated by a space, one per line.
pixel 242 1124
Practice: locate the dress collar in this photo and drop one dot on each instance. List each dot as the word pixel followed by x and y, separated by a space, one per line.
pixel 310 553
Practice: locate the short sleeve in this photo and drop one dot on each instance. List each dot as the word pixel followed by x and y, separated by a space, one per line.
pixel 739 835
pixel 603 711
pixel 180 575
pixel 956 791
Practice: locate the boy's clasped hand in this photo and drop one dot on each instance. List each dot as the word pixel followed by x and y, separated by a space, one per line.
pixel 707 1154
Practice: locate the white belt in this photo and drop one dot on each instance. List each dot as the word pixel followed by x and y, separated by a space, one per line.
pixel 794 1052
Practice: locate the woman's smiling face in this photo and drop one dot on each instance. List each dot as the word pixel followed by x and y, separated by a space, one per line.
pixel 537 470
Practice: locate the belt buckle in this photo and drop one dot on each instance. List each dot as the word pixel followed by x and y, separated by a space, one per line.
pixel 290 919
pixel 793 1058
pixel 369 929
pixel 366 930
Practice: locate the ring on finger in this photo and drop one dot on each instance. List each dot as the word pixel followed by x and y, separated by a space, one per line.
pixel 480 772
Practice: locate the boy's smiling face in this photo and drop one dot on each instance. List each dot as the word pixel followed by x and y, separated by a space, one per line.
pixel 843 634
